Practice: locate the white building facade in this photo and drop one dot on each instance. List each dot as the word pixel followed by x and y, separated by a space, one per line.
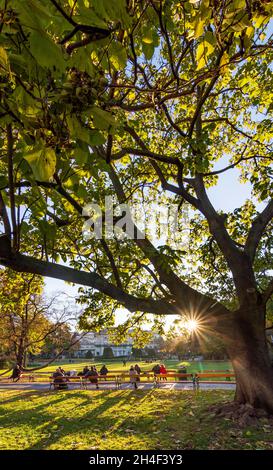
pixel 95 342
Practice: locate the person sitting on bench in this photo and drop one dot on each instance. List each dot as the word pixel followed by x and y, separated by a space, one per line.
pixel 182 370
pixel 84 372
pixel 163 371
pixel 133 376
pixel 59 380
pixel 104 370
pixel 92 375
pixel 156 369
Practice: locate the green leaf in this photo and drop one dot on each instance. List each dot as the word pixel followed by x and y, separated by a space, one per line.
pixel 117 55
pixel 47 229
pixel 148 50
pixel 45 51
pixel 42 163
pixel 147 36
pixel 80 155
pixel 96 137
pixel 3 181
pixel 87 135
pixel 102 119
pixel 88 16
pixel 100 7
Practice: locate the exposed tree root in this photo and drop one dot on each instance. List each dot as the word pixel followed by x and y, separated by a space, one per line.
pixel 242 414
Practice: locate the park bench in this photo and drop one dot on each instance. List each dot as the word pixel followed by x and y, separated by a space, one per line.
pixel 29 377
pixel 144 377
pixel 147 377
pixel 203 376
pixel 109 379
pixel 174 377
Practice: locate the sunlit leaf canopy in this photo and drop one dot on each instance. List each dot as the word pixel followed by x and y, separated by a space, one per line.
pixel 137 100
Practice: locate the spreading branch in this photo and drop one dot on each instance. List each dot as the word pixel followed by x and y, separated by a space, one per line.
pixel 257 229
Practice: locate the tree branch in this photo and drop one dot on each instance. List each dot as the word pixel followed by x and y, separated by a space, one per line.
pixel 22 263
pixel 144 153
pixel 186 295
pixel 268 292
pixel 257 229
pixel 5 217
pixel 11 187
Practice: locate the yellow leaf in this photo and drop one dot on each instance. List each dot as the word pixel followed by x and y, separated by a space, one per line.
pixel 3 57
pixel 200 51
pixel 199 28
pixel 224 63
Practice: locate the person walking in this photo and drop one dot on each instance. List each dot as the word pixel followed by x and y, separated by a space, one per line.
pixel 16 373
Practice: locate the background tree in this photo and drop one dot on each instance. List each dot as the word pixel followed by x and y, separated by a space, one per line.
pixel 208 346
pixel 137 353
pixel 30 324
pixel 107 353
pixel 60 341
pixel 140 101
pixel 89 355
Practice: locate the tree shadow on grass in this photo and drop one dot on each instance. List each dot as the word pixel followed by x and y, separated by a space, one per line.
pixel 96 419
pixel 43 415
pixel 127 417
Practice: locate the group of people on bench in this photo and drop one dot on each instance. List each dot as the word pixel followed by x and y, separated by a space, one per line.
pixel 158 369
pixel 61 378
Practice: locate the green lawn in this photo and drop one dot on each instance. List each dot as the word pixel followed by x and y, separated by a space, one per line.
pixel 138 420
pixel 113 365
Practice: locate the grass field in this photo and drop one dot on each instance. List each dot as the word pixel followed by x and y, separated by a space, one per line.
pixel 137 420
pixel 113 365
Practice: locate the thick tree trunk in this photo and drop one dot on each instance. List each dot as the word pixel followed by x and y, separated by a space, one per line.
pixel 248 351
pixel 20 356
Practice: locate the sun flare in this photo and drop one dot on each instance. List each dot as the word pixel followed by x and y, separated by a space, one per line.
pixel 191 325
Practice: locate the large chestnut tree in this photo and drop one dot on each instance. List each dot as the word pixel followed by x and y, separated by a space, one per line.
pixel 142 100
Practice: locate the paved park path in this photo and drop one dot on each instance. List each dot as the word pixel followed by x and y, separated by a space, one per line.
pixel 145 386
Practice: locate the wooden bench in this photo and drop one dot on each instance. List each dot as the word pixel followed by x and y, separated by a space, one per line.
pixel 109 379
pixel 83 381
pixel 184 377
pixel 23 376
pixel 144 377
pixel 156 378
pixel 202 376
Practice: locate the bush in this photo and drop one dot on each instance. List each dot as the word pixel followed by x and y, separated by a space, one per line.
pixel 89 355
pixel 108 353
pixel 5 364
